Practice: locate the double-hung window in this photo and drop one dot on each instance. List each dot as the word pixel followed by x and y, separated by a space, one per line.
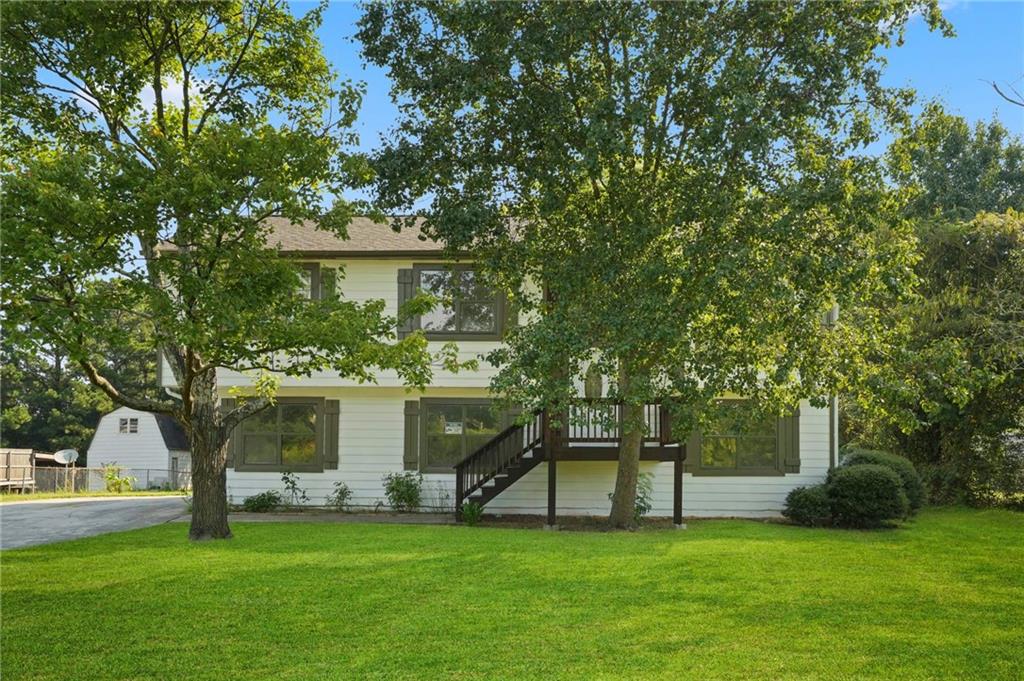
pixel 466 309
pixel 742 442
pixel 130 425
pixel 285 437
pixel 453 429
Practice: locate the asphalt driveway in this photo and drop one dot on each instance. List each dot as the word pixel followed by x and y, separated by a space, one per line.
pixel 52 520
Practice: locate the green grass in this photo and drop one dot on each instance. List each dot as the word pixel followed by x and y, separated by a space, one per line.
pixel 9 498
pixel 941 597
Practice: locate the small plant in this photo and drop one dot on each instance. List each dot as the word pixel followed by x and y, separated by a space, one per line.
pixel 472 511
pixel 913 485
pixel 866 495
pixel 294 495
pixel 404 490
pixel 339 498
pixel 264 502
pixel 644 496
pixel 116 482
pixel 188 503
pixel 808 506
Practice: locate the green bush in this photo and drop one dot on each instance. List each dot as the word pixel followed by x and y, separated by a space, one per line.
pixel 404 490
pixel 264 502
pixel 808 506
pixel 866 495
pixel 913 485
pixel 339 498
pixel 472 511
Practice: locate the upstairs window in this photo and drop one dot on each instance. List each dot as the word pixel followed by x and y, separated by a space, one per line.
pixel 128 426
pixel 466 310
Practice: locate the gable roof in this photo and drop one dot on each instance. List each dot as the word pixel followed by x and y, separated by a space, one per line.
pixel 366 239
pixel 173 434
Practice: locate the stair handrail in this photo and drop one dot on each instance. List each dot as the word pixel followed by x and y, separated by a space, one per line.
pixel 497 454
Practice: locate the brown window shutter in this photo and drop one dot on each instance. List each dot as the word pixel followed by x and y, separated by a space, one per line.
pixel 692 461
pixel 332 410
pixel 789 442
pixel 405 293
pixel 328 282
pixel 411 455
pixel 226 405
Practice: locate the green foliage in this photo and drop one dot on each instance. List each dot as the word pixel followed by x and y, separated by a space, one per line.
pixel 950 395
pixel 340 497
pixel 264 502
pixel 956 171
pixel 472 511
pixel 116 482
pixel 649 193
pixel 404 490
pixel 913 486
pixel 808 506
pixel 866 496
pixel 293 494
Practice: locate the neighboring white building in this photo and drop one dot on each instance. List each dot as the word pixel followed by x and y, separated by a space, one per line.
pixel 327 429
pixel 152 448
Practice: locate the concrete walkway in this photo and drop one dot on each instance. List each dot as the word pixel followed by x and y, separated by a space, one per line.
pixel 46 521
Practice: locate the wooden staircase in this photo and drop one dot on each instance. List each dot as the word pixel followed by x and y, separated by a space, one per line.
pixel 500 462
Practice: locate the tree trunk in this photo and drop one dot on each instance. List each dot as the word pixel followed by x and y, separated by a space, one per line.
pixel 209 464
pixel 623 513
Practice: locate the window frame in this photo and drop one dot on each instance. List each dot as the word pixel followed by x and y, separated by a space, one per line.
pixel 314 279
pixel 315 466
pixel 128 425
pixel 425 404
pixel 500 306
pixel 695 459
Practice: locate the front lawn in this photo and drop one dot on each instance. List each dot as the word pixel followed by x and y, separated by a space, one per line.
pixel 943 597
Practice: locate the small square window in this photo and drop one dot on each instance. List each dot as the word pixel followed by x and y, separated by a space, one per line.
pixel 122 426
pixel 133 425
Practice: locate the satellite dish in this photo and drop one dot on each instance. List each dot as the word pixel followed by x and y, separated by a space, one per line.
pixel 65 456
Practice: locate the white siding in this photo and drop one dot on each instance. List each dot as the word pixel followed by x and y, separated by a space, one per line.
pixel 365 280
pixel 371 445
pixel 372 424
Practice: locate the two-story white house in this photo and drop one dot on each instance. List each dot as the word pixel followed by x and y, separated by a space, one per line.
pixel 326 429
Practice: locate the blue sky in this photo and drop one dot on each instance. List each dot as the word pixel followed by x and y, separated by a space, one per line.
pixel 989 46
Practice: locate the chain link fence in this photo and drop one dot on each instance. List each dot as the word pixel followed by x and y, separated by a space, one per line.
pixel 106 479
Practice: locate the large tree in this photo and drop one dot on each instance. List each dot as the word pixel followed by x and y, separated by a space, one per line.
pixel 148 142
pixel 687 182
pixel 949 394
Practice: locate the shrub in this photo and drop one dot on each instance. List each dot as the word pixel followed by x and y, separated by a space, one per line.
pixel 295 495
pixel 866 495
pixel 339 498
pixel 116 482
pixel 472 511
pixel 913 485
pixel 808 506
pixel 644 496
pixel 264 502
pixel 404 490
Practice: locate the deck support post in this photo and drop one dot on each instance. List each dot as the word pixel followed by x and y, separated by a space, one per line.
pixel 459 494
pixel 552 468
pixel 677 489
